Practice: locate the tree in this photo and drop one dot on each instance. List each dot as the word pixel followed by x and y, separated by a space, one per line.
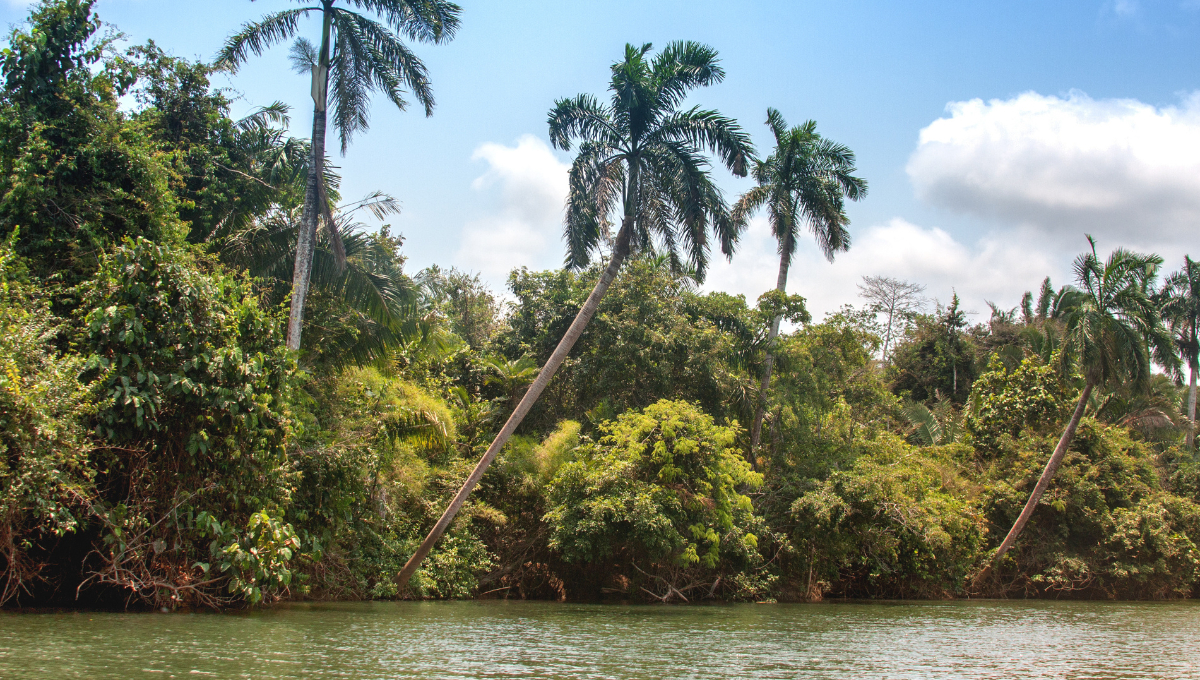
pixel 75 175
pixel 225 172
pixel 1180 299
pixel 936 357
pixel 804 182
pixel 357 56
pixel 897 300
pixel 640 152
pixel 367 304
pixel 1112 326
pixel 470 308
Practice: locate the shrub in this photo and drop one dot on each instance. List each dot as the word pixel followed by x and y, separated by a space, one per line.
pixel 899 523
pixel 664 484
pixel 1105 527
pixel 1006 403
pixel 197 414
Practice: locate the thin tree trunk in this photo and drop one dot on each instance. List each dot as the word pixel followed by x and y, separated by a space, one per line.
pixel 1191 436
pixel 1048 474
pixel 620 251
pixel 306 239
pixel 785 261
pixel 887 337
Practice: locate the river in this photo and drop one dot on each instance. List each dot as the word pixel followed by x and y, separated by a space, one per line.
pixel 498 639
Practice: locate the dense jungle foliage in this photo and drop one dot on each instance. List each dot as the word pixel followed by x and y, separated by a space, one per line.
pixel 160 446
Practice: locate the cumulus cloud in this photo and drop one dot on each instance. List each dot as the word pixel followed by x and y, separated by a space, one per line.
pixel 1121 169
pixel 525 188
pixel 996 269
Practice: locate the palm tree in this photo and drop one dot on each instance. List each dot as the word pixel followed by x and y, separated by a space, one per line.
pixel 1181 310
pixel 804 182
pixel 641 154
pixel 1111 330
pixel 357 56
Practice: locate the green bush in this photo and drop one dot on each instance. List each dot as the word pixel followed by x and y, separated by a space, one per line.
pixel 377 464
pixel 663 484
pixel 194 371
pixel 1105 526
pixel 196 416
pixel 899 523
pixel 1006 403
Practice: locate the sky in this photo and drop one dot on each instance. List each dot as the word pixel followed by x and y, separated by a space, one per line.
pixel 994 135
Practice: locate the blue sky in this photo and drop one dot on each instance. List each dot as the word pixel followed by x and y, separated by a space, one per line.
pixel 993 134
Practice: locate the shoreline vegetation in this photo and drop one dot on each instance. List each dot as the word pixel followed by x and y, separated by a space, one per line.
pixel 164 445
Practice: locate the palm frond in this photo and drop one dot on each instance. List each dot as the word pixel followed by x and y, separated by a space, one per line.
pixel 639 150
pixel 257 37
pixel 925 427
pixel 432 21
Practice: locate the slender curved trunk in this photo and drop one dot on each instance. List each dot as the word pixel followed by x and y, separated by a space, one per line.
pixel 620 252
pixel 1048 474
pixel 1191 435
pixel 306 239
pixel 785 261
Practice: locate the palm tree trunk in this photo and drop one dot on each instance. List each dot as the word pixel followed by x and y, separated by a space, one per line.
pixel 620 251
pixel 1191 435
pixel 1048 474
pixel 785 261
pixel 306 239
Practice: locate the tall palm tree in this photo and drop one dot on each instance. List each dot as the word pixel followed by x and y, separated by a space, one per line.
pixel 358 55
pixel 1180 299
pixel 1111 331
pixel 803 183
pixel 642 154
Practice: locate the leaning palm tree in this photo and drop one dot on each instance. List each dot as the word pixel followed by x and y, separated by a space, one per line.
pixel 1180 299
pixel 641 154
pixel 1111 332
pixel 357 56
pixel 803 183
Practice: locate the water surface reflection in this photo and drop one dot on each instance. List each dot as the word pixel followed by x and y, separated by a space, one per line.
pixel 497 639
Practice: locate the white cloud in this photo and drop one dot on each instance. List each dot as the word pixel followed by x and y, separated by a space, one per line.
pixel 527 188
pixel 993 269
pixel 1126 8
pixel 1121 169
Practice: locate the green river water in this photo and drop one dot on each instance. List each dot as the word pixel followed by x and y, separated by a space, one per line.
pixel 498 639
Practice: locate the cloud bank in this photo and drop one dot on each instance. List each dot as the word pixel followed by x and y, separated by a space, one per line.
pixel 1043 170
pixel 1125 171
pixel 994 269
pixel 525 189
